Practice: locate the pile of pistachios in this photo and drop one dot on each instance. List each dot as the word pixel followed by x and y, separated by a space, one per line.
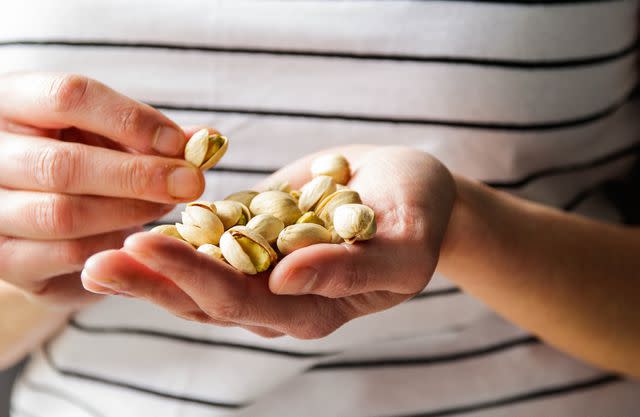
pixel 251 230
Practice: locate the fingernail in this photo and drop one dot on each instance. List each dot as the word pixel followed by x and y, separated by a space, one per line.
pixel 168 141
pixel 95 286
pixel 184 183
pixel 300 281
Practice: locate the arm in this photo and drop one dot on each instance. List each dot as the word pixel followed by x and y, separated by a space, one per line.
pixel 24 324
pixel 573 281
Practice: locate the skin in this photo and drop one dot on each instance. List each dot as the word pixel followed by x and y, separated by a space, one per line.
pixel 73 182
pixel 559 284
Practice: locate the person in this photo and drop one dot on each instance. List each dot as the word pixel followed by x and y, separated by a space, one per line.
pixel 479 132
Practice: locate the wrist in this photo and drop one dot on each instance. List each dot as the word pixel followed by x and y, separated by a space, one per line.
pixel 469 226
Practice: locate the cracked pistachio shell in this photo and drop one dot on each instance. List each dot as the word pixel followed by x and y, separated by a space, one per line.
pixel 246 250
pixel 328 205
pixel 315 190
pixel 200 225
pixel 243 197
pixel 335 237
pixel 279 186
pixel 277 203
pixel 298 236
pixel 295 194
pixel 211 250
pixel 333 165
pixel 204 204
pixel 267 225
pixel 232 213
pixel 204 149
pixel 167 230
pixel 354 222
pixel 310 217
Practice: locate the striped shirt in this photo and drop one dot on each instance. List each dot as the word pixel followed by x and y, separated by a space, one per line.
pixel 533 97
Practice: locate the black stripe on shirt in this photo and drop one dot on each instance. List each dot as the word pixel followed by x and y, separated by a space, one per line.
pixel 85 328
pixel 429 360
pixel 546 392
pixel 599 161
pixel 497 126
pixel 517 64
pixel 596 162
pixel 133 387
pixel 54 392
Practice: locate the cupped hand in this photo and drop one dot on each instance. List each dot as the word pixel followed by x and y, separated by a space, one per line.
pixel 315 290
pixel 80 167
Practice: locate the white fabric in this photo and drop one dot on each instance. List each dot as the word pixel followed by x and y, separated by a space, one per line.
pixel 491 89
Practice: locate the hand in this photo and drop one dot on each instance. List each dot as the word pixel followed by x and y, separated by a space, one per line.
pixel 73 180
pixel 315 290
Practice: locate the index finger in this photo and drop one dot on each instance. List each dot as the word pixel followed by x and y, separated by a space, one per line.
pixel 58 101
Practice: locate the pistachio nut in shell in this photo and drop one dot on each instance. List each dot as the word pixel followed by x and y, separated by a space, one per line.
pixel 295 194
pixel 327 206
pixel 204 149
pixel 267 225
pixel 314 191
pixel 354 222
pixel 243 197
pixel 298 236
pixel 310 217
pixel 277 203
pixel 200 226
pixel 204 204
pixel 211 250
pixel 232 213
pixel 279 186
pixel 167 230
pixel 246 250
pixel 333 165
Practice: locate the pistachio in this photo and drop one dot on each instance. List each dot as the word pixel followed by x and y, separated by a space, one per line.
pixel 167 230
pixel 279 186
pixel 247 250
pixel 310 217
pixel 327 206
pixel 205 149
pixel 204 204
pixel 333 165
pixel 232 213
pixel 298 236
pixel 200 225
pixel 354 222
pixel 243 197
pixel 315 190
pixel 267 225
pixel 211 250
pixel 335 237
pixel 277 203
pixel 295 194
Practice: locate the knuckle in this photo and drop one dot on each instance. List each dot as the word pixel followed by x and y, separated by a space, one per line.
pixel 55 167
pixel 67 92
pixel 350 281
pixel 136 176
pixel 74 253
pixel 226 311
pixel 129 118
pixel 55 216
pixel 316 330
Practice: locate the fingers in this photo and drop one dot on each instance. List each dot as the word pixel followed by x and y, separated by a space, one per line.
pixel 43 216
pixel 228 295
pixel 39 164
pixel 64 291
pixel 29 263
pixel 117 273
pixel 57 101
pixel 337 271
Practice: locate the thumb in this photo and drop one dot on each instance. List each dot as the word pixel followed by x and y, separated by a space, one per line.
pixel 337 271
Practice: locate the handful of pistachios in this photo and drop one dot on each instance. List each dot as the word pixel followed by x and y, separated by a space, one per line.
pixel 251 230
